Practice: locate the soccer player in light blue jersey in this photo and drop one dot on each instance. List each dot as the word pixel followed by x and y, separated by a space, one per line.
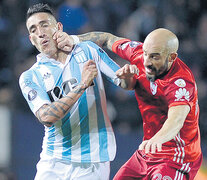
pixel 65 91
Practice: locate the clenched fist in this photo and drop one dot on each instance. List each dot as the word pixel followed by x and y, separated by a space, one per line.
pixel 89 73
pixel 64 41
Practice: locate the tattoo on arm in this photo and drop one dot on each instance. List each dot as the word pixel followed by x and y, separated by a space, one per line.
pixel 103 39
pixel 79 90
pixel 59 108
pixel 40 119
pixel 96 37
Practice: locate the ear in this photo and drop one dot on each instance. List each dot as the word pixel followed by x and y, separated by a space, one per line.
pixel 31 40
pixel 173 56
pixel 60 26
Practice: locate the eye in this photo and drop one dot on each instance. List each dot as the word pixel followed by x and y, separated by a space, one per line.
pixel 32 30
pixel 145 54
pixel 155 57
pixel 45 25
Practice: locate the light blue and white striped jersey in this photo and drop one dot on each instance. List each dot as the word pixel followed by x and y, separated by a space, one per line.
pixel 85 134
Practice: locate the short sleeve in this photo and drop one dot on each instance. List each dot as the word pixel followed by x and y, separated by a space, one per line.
pixel 34 94
pixel 180 92
pixel 128 49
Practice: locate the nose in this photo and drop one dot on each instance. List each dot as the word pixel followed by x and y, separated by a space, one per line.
pixel 40 32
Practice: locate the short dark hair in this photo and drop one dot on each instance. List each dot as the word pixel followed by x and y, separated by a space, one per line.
pixel 40 7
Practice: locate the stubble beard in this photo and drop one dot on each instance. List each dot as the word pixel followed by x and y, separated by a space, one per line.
pixel 159 72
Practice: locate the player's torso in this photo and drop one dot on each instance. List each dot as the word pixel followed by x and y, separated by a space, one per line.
pixel 76 136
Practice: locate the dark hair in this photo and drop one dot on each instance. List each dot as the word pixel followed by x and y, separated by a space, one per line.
pixel 36 8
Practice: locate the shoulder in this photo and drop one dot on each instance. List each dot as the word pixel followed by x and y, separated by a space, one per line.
pixel 28 73
pixel 182 70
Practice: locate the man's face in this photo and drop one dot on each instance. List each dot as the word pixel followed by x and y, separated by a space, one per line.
pixel 155 60
pixel 41 27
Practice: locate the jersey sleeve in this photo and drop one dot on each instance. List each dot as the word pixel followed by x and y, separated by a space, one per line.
pixel 128 49
pixel 106 65
pixel 32 91
pixel 180 92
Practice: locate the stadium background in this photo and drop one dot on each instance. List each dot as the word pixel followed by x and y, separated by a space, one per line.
pixel 21 134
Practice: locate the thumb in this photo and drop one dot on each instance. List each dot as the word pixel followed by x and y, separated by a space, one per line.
pixel 54 36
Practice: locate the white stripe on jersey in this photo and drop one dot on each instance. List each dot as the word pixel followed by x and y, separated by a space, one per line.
pixel 93 126
pixel 180 173
pixel 179 151
pixel 76 138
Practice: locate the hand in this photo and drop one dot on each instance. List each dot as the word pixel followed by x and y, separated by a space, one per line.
pixel 89 73
pixel 127 71
pixel 151 146
pixel 64 41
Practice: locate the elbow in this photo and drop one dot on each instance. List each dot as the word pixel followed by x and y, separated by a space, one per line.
pixel 47 121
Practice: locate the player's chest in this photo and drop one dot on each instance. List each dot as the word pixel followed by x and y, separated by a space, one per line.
pixel 150 91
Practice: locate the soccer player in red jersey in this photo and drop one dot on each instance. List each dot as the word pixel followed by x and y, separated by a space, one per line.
pixel 167 98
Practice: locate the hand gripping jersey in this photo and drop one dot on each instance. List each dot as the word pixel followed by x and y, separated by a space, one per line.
pixel 176 87
pixel 85 133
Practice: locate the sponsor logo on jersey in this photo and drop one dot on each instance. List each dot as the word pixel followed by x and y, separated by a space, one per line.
pixel 180 83
pixel 66 87
pixel 182 94
pixel 32 94
pixel 153 87
pixel 80 57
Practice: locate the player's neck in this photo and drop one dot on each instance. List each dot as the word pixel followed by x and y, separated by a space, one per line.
pixel 60 56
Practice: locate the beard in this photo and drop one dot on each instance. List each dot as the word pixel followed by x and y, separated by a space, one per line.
pixel 158 72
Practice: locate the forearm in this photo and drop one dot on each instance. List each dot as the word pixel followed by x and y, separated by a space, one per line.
pixel 50 114
pixel 174 123
pixel 103 39
pixel 168 131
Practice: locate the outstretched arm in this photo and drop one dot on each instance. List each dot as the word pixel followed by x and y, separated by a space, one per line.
pixel 66 42
pixel 103 39
pixel 49 114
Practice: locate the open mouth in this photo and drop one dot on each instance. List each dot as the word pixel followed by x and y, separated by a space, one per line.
pixel 45 42
pixel 148 70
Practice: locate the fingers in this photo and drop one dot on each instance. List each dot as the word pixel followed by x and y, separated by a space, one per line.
pixel 64 41
pixel 150 147
pixel 89 72
pixel 127 71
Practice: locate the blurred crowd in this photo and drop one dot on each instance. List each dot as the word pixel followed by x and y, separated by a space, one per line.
pixel 133 19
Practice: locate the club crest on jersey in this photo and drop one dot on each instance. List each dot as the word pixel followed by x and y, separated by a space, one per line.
pixel 32 94
pixel 182 94
pixel 153 87
pixel 80 57
pixel 180 83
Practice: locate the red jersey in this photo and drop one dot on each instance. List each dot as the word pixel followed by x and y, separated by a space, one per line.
pixel 176 87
